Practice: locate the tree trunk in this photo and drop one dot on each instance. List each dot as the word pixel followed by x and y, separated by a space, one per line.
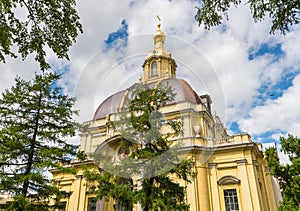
pixel 148 202
pixel 32 146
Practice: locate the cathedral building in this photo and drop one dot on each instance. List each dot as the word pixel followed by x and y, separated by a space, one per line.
pixel 231 169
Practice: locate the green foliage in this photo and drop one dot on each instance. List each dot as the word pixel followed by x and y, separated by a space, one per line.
pixel 288 175
pixel 111 186
pixel 35 121
pixel 283 13
pixel 153 162
pixel 31 26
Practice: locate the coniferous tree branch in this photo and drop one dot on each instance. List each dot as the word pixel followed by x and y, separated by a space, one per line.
pixel 288 174
pixel 32 141
pixel 154 158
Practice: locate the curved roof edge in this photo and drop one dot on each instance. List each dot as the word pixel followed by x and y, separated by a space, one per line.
pixel 184 92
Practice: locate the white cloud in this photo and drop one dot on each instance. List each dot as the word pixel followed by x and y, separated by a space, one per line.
pixel 13 67
pixel 282 113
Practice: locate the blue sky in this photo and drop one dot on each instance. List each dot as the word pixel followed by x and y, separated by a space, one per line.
pixel 259 73
pixel 268 91
pixel 118 39
pixel 267 48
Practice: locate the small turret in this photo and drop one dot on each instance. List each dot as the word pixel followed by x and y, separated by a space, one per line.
pixel 159 63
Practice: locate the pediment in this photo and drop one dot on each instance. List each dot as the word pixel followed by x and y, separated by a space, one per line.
pixel 228 180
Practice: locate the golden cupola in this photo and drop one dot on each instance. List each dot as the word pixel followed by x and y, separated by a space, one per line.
pixel 159 63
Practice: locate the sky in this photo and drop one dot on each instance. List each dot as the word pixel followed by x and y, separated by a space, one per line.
pixel 253 77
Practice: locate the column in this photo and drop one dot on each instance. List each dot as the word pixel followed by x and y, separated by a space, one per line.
pixel 202 187
pixel 246 198
pixel 255 189
pixel 81 193
pixel 269 188
pixel 75 196
pixel 262 184
pixel 215 198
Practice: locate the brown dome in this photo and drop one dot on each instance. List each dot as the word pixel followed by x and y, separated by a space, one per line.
pixel 183 90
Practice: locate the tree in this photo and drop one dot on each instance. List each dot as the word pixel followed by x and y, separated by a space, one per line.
pixel 153 160
pixel 283 13
pixel 28 26
pixel 288 175
pixel 35 120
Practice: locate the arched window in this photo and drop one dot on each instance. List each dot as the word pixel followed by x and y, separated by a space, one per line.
pixel 154 69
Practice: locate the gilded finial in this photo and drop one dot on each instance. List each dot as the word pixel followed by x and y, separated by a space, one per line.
pixel 158 25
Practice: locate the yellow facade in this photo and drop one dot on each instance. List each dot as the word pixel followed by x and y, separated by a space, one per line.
pixel 231 170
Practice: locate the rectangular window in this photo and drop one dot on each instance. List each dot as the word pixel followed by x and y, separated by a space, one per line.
pixel 91 204
pixel 62 206
pixel 231 200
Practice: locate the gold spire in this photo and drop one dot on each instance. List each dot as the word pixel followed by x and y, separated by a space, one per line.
pixel 159 36
pixel 158 25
